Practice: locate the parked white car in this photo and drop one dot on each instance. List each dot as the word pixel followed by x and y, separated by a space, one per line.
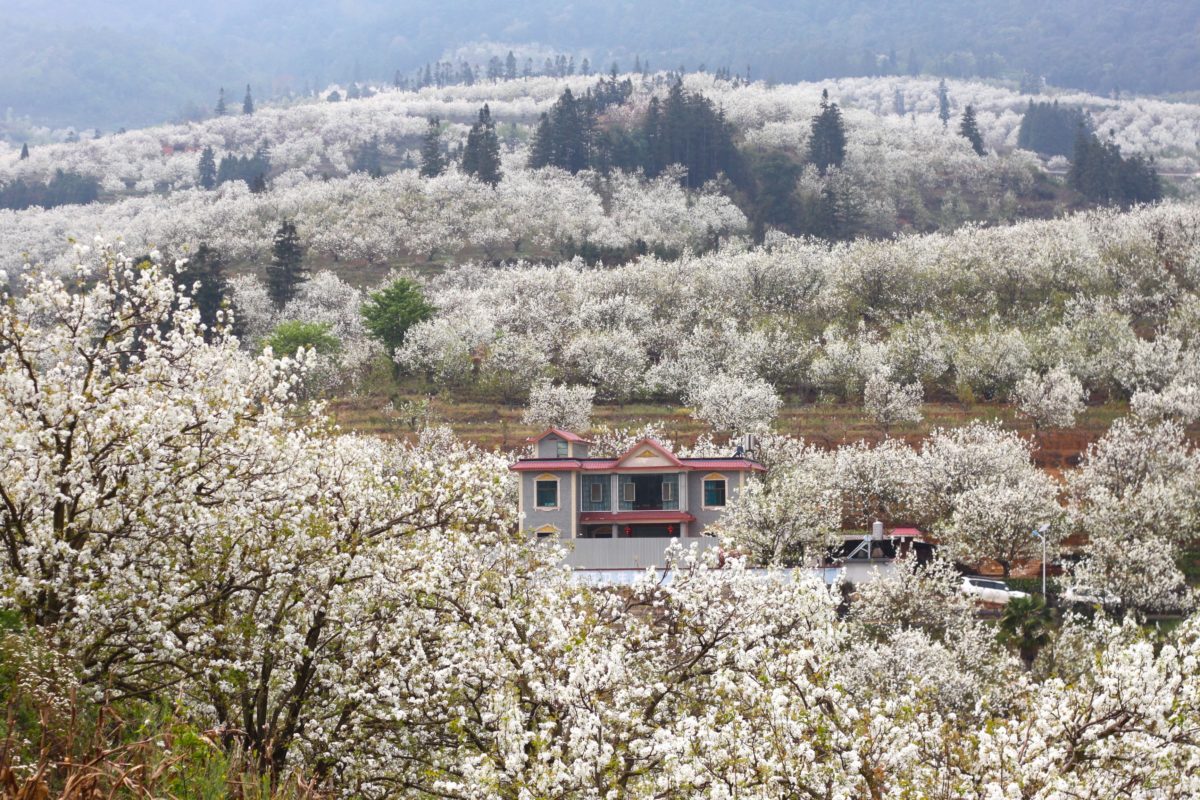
pixel 1090 595
pixel 989 590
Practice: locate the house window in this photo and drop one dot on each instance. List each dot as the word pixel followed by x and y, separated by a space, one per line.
pixel 714 491
pixel 628 490
pixel 547 492
pixel 561 449
pixel 595 492
pixel 546 531
pixel 670 492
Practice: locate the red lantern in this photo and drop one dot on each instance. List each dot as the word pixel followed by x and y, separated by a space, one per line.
pixel 629 530
pixel 670 530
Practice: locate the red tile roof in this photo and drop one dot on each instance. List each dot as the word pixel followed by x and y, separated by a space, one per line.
pixel 735 464
pixel 567 435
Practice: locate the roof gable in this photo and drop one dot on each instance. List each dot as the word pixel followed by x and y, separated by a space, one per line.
pixel 648 453
pixel 560 433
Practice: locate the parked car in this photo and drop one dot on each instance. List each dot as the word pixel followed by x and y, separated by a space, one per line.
pixel 989 590
pixel 1090 595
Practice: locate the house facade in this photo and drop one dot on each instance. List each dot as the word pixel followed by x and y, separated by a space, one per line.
pixel 646 493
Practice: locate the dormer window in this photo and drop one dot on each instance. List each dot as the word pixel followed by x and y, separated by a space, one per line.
pixel 561 448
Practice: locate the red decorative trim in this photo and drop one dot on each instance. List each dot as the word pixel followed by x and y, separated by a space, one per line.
pixel 614 465
pixel 635 516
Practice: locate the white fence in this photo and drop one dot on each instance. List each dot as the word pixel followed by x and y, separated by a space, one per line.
pixel 635 554
pixel 621 561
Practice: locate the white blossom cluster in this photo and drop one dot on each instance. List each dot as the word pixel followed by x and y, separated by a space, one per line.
pixel 312 136
pixel 964 313
pixel 364 614
pixel 568 408
pixel 358 217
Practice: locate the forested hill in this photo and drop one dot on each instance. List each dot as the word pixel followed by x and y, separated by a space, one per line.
pixel 91 63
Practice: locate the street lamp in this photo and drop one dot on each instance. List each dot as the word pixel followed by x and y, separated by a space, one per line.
pixel 1040 532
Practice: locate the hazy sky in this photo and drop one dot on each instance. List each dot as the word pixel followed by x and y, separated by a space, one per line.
pixel 98 62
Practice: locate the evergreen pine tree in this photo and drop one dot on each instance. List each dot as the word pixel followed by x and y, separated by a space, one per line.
pixel 510 66
pixel 481 156
pixel 827 144
pixel 220 109
pixel 943 103
pixel 204 276
pixel 433 163
pixel 898 103
pixel 286 271
pixel 24 151
pixel 248 102
pixel 258 184
pixel 541 150
pixel 368 158
pixel 207 171
pixel 969 129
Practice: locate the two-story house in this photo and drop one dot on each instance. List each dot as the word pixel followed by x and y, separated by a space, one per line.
pixel 647 492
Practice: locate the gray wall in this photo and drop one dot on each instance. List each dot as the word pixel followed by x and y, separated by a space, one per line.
pixel 560 518
pixel 695 495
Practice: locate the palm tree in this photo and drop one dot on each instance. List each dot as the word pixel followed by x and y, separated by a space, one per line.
pixel 1025 625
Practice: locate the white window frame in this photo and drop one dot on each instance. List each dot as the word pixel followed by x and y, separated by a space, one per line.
pixel 668 491
pixel 596 492
pixel 562 449
pixel 547 478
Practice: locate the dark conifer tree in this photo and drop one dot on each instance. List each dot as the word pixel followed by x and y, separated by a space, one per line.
pixel 258 184
pixel 368 158
pixel 248 102
pixel 827 143
pixel 286 271
pixel 481 156
pixel 433 163
pixel 207 171
pixel 1101 174
pixel 541 151
pixel 968 128
pixel 203 275
pixel 24 151
pixel 220 109
pixel 898 103
pixel 1050 129
pixel 943 103
pixel 510 66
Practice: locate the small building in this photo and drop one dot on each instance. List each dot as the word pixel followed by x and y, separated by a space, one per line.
pixel 646 493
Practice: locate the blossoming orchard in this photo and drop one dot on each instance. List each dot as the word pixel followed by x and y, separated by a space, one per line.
pixel 585 479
